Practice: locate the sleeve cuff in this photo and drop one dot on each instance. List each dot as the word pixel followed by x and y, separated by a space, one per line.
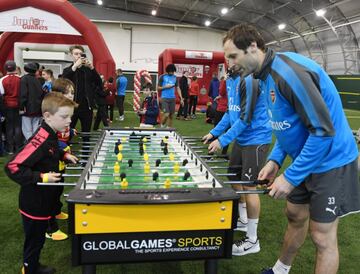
pixel 276 162
pixel 292 182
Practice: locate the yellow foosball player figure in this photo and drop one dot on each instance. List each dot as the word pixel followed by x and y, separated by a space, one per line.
pixel 146 157
pixel 120 147
pixel 119 157
pixel 167 183
pixel 176 168
pixel 116 168
pixel 171 156
pixel 147 167
pixel 124 184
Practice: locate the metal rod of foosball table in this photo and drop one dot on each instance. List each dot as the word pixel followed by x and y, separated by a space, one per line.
pixel 214 156
pixel 254 191
pixel 134 168
pixel 254 182
pixel 55 184
pixel 216 161
pixel 136 161
pixel 225 167
pixel 132 175
pixel 108 142
pixel 227 174
pixel 89 133
pixel 74 168
pixel 104 152
pixel 71 175
pixel 132 184
pixel 191 137
pixel 152 184
pixel 157 155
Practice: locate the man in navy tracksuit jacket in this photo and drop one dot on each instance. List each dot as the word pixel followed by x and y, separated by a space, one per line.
pixel 306 114
pixel 246 122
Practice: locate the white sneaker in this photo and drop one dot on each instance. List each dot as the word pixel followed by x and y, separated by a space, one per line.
pixel 122 118
pixel 245 246
pixel 241 226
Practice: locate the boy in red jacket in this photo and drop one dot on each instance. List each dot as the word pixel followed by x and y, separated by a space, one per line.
pixel 38 161
pixel 110 89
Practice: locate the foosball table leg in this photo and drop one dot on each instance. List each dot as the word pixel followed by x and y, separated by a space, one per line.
pixel 211 266
pixel 89 269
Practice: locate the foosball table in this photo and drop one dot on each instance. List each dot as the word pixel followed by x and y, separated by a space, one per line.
pixel 148 195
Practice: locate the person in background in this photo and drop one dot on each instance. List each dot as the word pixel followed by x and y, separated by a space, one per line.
pixel 2 128
pixel 210 113
pixel 121 85
pixel 31 96
pixel 38 161
pixel 149 108
pixel 86 80
pixel 194 93
pixel 110 89
pixel 48 76
pixel 18 71
pixel 66 88
pixel 101 113
pixel 221 108
pixel 167 86
pixel 214 89
pixel 38 73
pixel 184 87
pixel 10 92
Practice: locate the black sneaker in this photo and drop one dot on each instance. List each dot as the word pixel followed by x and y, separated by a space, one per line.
pixel 267 271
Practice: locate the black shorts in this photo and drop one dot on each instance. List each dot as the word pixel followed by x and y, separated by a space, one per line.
pixel 331 194
pixel 248 161
pixel 168 105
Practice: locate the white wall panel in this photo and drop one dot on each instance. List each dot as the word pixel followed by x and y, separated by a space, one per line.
pixel 149 41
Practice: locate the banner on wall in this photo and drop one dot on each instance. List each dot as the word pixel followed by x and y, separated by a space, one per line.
pixel 194 70
pixel 34 20
pixel 199 55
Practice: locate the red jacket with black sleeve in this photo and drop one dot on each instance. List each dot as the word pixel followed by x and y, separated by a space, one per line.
pixel 40 155
pixel 10 89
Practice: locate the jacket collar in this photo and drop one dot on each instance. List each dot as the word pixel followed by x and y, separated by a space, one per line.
pixel 45 126
pixel 266 66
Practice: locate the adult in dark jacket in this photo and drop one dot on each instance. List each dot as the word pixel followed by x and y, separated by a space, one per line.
pixel 184 87
pixel 85 78
pixel 31 96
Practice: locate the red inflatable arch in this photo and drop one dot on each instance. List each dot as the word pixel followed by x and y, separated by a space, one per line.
pixel 103 61
pixel 210 59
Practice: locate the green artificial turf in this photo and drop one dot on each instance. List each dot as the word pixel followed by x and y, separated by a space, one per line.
pixel 271 229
